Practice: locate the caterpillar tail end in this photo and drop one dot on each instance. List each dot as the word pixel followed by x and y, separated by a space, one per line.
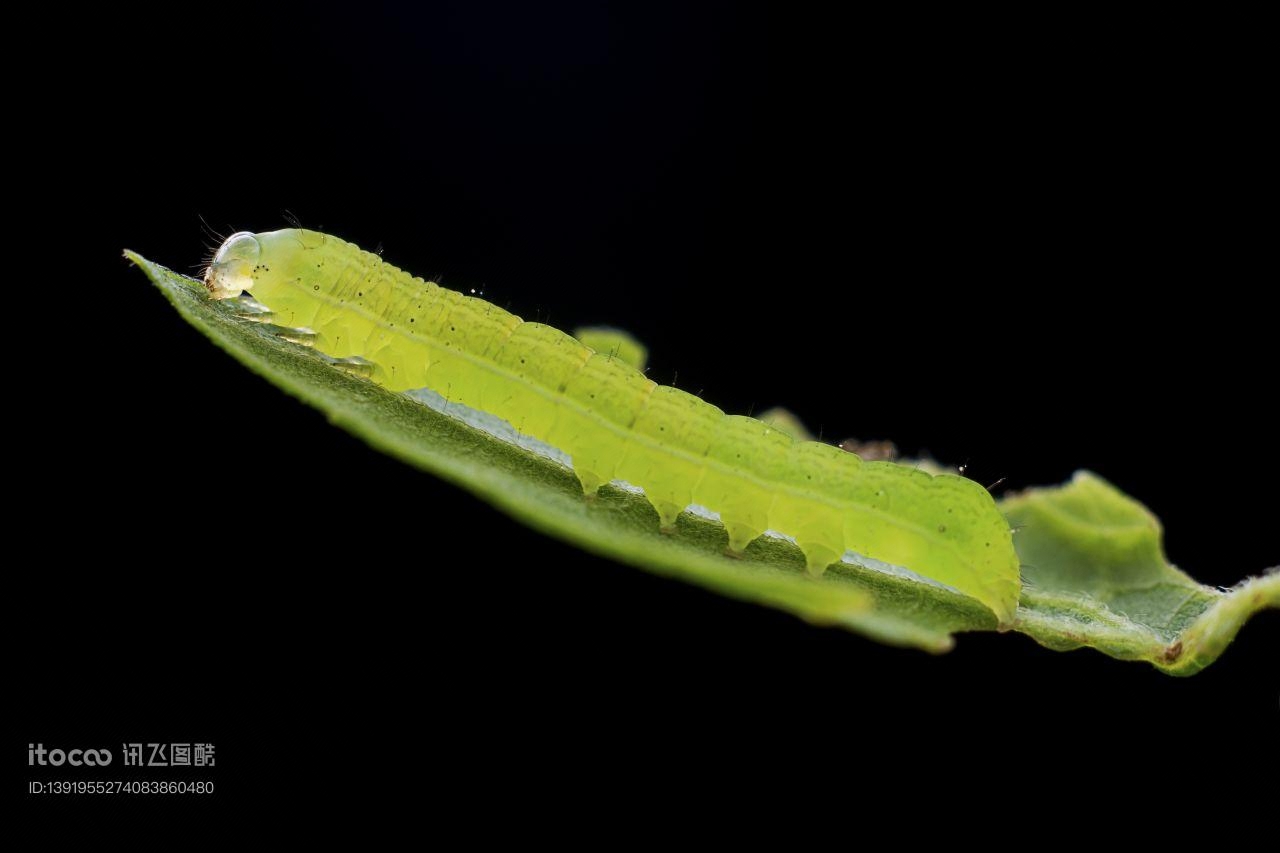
pixel 1006 617
pixel 1003 605
pixel 1003 595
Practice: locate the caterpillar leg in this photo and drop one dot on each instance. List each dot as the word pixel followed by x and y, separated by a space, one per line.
pixel 590 480
pixel 298 335
pixel 667 515
pixel 246 307
pixel 352 364
pixel 817 557
pixel 740 536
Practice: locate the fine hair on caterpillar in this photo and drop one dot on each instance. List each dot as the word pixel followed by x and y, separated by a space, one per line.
pixel 612 422
pixel 210 249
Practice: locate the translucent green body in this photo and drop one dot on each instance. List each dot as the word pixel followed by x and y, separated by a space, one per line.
pixel 613 422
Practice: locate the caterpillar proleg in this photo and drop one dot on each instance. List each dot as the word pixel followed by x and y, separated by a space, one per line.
pixel 614 423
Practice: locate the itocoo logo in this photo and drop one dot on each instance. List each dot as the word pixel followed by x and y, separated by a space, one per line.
pixel 36 754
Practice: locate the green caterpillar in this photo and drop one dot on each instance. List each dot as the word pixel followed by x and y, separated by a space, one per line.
pixel 614 423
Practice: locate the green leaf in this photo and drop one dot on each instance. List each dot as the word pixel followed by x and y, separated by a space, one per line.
pixel 1095 573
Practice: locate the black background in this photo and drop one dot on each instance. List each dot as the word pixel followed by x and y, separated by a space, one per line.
pixel 1029 245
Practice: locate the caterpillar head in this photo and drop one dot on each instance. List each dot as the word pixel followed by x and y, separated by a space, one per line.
pixel 232 268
